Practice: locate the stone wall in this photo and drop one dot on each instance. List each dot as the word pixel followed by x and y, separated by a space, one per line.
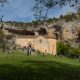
pixel 46 45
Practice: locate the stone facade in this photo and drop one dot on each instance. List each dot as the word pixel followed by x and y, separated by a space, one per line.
pixel 40 43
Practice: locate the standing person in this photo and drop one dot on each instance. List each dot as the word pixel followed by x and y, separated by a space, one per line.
pixel 30 49
pixel 27 50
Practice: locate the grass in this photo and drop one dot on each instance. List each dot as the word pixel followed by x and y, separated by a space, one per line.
pixel 19 66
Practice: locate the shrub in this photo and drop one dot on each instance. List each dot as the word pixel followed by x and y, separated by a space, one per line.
pixel 74 52
pixel 62 48
pixel 67 50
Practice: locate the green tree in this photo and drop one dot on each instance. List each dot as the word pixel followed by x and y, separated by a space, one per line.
pixel 61 16
pixel 2 35
pixel 42 7
pixel 3 2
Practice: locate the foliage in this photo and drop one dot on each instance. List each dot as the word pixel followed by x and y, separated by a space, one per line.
pixel 22 25
pixel 69 17
pixel 6 42
pixel 67 50
pixel 3 2
pixel 74 52
pixel 62 48
pixel 36 23
pixel 1 34
pixel 42 7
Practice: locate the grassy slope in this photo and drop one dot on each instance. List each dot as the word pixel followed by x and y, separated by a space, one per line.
pixel 19 66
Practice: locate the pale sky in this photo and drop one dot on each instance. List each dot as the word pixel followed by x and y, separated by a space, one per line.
pixel 20 10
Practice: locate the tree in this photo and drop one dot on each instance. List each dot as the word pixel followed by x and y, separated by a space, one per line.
pixel 67 50
pixel 2 35
pixel 61 16
pixel 3 2
pixel 42 7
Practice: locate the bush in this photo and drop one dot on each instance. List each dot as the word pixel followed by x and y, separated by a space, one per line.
pixel 2 35
pixel 74 52
pixel 67 50
pixel 62 48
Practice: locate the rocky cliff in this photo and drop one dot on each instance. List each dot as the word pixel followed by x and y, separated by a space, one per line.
pixel 60 29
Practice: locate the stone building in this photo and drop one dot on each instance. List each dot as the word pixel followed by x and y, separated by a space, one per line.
pixel 40 43
pixel 26 38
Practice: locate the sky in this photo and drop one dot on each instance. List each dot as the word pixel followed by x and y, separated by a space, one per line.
pixel 20 11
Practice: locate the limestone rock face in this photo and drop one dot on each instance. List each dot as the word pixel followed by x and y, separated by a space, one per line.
pixel 65 30
pixel 70 29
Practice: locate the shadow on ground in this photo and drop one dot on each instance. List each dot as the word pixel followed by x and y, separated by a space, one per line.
pixel 40 70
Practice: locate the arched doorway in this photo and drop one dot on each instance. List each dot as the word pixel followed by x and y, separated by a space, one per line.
pixel 29 45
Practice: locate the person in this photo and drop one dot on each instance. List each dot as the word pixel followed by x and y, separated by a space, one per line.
pixel 29 50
